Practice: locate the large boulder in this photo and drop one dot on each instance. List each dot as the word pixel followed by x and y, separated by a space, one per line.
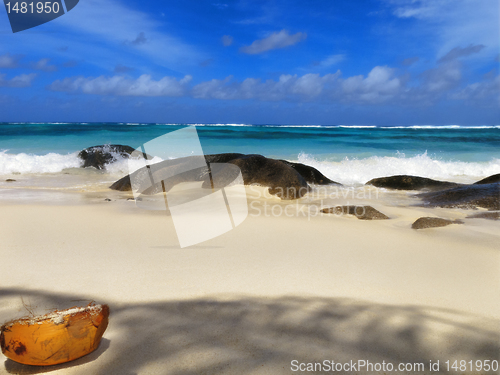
pixel 405 182
pixel 311 174
pixel 99 156
pixel 222 158
pixel 278 175
pixel 468 196
pixel 282 180
pixel 489 180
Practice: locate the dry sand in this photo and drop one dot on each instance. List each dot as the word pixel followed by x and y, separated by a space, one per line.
pixel 273 290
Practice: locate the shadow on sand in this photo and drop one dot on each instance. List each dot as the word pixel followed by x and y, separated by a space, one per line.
pixel 263 335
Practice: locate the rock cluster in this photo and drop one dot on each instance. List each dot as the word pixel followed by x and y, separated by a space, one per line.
pixel 284 179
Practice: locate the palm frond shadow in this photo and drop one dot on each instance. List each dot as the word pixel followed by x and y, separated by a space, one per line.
pixel 248 335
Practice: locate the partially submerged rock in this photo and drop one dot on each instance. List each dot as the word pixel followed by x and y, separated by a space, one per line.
pixel 433 222
pixel 468 196
pixel 285 179
pixel 282 180
pixel 361 212
pixel 405 182
pixel 489 180
pixel 310 174
pixel 99 156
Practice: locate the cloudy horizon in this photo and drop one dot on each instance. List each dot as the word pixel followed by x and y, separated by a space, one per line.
pixel 383 62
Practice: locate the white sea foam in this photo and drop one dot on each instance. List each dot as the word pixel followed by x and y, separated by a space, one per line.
pixel 342 126
pixel 28 163
pixel 121 166
pixel 349 171
pixel 442 127
pixel 54 163
pixel 358 171
pixel 358 126
pixel 288 125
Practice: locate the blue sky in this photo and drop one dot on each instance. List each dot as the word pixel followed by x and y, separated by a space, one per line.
pixel 377 62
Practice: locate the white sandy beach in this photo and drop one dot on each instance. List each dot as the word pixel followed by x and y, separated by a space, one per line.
pixel 250 187
pixel 273 290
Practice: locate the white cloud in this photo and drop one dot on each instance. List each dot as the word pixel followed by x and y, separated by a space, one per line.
pixel 462 29
pixel 215 89
pixel 456 22
pixel 98 29
pixel 458 52
pixel 287 87
pixel 140 39
pixel 277 40
pixel 22 80
pixel 442 78
pixel 8 61
pixel 331 60
pixel 417 8
pixel 122 86
pixel 227 40
pixel 114 22
pixel 484 93
pixel 380 85
pixel 43 64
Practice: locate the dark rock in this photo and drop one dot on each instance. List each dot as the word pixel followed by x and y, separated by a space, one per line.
pixel 485 215
pixel 468 196
pixel 123 184
pixel 282 180
pixel 108 200
pixel 222 158
pixel 175 168
pixel 99 156
pixel 405 182
pixel 310 174
pixel 361 212
pixel 10 180
pixel 489 180
pixel 433 222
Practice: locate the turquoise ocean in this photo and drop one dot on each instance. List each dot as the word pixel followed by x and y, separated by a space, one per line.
pixel 351 155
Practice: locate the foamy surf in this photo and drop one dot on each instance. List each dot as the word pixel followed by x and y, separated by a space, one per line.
pixel 23 164
pixel 352 171
pixel 349 171
pixel 28 163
